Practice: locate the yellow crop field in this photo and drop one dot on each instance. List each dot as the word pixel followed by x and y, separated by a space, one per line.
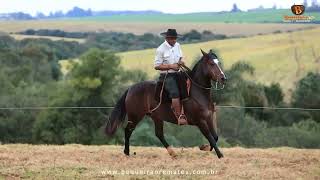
pixel 20 37
pixel 274 56
pixel 135 27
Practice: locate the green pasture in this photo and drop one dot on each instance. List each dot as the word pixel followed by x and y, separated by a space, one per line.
pixel 227 17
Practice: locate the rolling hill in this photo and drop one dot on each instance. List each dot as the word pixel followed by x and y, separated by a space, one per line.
pixel 262 16
pixel 229 29
pixel 273 56
pixel 236 23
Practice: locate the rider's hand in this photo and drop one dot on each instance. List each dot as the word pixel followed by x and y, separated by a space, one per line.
pixel 175 66
pixel 181 62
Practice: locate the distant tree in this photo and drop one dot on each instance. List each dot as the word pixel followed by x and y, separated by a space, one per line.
pixel 193 35
pixel 21 16
pixel 305 134
pixel 315 7
pixel 274 6
pixel 274 94
pixel 78 12
pixel 7 42
pixel 40 15
pixel 306 94
pixel 57 14
pixel 29 32
pixel 314 3
pixel 232 93
pixel 255 96
pixel 93 82
pixel 206 32
pixel 235 8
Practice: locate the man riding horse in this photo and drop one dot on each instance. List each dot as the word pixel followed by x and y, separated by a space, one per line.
pixel 139 100
pixel 167 60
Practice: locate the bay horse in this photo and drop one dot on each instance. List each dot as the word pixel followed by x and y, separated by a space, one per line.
pixel 139 99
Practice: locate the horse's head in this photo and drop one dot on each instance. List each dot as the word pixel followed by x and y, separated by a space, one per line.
pixel 212 68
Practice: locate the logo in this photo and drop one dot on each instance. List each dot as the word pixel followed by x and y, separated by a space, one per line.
pixel 297 9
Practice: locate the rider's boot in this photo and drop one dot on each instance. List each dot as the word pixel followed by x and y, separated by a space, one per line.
pixel 181 118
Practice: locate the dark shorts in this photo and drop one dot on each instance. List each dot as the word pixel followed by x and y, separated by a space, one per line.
pixel 171 85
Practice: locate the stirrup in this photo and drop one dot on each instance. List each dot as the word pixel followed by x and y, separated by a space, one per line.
pixel 182 116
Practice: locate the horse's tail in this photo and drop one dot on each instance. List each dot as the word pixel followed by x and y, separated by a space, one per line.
pixel 117 117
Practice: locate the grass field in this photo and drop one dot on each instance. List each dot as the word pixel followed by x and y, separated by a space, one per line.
pixel 269 16
pixel 272 56
pixel 73 25
pixel 239 23
pixel 104 162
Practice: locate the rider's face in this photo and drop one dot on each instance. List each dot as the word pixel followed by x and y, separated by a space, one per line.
pixel 171 40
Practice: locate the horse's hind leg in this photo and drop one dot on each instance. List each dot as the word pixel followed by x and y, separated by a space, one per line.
pixel 158 125
pixel 132 123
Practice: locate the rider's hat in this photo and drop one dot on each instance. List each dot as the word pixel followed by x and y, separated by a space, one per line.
pixel 170 33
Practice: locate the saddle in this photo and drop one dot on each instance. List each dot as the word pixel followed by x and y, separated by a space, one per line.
pixel 181 79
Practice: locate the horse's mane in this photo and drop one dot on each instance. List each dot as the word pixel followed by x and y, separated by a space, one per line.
pixel 194 69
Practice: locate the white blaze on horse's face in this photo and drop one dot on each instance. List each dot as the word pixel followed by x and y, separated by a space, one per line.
pixel 222 75
pixel 216 61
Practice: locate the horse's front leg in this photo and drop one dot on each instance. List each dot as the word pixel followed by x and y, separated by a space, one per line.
pixel 212 126
pixel 203 126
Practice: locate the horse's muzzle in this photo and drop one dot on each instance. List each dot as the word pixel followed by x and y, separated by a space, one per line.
pixel 224 80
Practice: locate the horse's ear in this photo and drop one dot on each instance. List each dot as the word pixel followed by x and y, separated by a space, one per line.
pixel 203 53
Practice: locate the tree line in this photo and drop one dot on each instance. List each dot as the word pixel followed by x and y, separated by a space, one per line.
pixel 118 41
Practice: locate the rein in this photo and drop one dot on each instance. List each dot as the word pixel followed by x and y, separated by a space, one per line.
pixel 165 77
pixel 188 69
pixel 183 67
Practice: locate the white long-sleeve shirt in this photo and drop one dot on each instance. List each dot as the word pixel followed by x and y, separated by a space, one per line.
pixel 167 54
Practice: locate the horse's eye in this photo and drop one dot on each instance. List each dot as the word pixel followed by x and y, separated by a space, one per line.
pixel 211 63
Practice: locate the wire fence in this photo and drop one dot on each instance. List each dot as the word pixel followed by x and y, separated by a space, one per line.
pixel 111 107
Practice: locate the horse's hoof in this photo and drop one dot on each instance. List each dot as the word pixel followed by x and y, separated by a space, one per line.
pixel 171 152
pixel 205 147
pixel 174 156
pixel 220 155
pixel 126 153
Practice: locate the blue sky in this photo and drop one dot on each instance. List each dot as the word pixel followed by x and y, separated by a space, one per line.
pixel 168 6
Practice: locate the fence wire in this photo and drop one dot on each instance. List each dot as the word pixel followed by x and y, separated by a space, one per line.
pixel 111 107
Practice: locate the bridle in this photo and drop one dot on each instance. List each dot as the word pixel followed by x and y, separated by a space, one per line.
pixel 184 69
